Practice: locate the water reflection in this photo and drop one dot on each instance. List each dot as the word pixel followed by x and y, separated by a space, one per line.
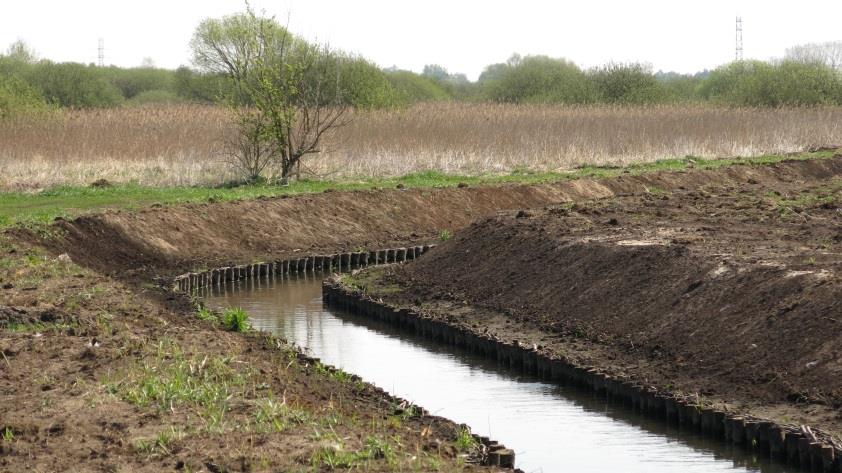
pixel 551 427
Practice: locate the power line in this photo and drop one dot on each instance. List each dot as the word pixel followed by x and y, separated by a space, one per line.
pixel 101 52
pixel 739 50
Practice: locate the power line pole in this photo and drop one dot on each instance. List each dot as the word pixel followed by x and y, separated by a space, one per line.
pixel 101 52
pixel 739 51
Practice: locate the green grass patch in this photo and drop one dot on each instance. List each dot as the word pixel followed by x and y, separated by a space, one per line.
pixel 808 199
pixel 39 327
pixel 170 380
pixel 465 441
pixel 17 208
pixel 335 457
pixel 235 319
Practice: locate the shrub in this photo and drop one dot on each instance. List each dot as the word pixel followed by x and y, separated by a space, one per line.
pixel 538 79
pixel 412 88
pixel 628 84
pixel 19 99
pixel 761 84
pixel 74 85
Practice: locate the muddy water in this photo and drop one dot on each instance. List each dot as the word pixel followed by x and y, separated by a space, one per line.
pixel 550 427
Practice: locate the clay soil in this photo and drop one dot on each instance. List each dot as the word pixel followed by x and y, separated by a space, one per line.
pixel 728 292
pixel 707 281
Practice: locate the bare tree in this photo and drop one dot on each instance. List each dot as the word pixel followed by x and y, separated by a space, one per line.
pixel 286 92
pixel 829 53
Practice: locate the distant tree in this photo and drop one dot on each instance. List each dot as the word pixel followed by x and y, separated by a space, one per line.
pixel 17 98
pixel 73 85
pixel 829 53
pixel 410 87
pixel 537 79
pixel 628 84
pixel 435 72
pixel 286 93
pixel 761 84
pixel 20 51
pixel 147 63
pixel 195 86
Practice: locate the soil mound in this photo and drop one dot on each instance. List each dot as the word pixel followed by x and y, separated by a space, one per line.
pixel 175 239
pixel 728 291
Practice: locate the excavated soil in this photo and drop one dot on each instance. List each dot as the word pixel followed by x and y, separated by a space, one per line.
pixel 697 279
pixel 173 240
pixel 732 292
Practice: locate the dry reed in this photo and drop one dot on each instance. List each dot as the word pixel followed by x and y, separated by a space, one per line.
pixel 179 145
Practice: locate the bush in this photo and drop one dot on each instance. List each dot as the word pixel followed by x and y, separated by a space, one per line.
pixel 756 83
pixel 74 85
pixel 628 84
pixel 363 84
pixel 17 98
pixel 135 81
pixel 537 79
pixel 412 88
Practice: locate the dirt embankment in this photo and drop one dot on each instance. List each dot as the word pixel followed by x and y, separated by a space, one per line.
pixel 733 292
pixel 97 373
pixel 176 239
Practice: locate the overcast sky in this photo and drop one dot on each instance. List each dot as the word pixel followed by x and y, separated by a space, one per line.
pixel 464 36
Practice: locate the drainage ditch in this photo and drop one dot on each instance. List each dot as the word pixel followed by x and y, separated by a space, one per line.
pixel 551 426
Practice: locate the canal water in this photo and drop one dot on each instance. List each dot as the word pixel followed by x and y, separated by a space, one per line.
pixel 551 428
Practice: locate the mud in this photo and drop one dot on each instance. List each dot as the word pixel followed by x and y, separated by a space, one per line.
pixel 728 293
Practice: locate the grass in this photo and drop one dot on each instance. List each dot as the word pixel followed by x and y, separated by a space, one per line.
pixel 334 456
pixel 465 441
pixel 235 319
pixel 23 208
pixel 161 444
pixel 825 195
pixel 170 380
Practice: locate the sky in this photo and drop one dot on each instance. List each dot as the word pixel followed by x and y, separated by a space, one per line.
pixel 463 36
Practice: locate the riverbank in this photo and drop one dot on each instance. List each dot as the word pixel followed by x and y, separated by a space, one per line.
pixel 725 294
pixel 103 365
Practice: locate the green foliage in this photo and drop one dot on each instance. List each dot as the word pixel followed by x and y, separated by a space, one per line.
pixel 161 444
pixel 74 85
pixel 362 84
pixel 628 84
pixel 203 313
pixel 170 380
pixel 410 87
pixel 757 83
pixel 445 235
pixel 334 457
pixel 200 87
pixel 464 440
pixel 19 99
pixel 235 320
pixel 135 81
pixel 537 79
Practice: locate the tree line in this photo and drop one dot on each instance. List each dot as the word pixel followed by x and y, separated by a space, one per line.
pixel 809 75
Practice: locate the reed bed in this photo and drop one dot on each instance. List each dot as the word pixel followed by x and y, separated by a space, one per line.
pixel 181 144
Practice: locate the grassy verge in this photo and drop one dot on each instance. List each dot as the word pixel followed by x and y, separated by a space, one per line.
pixel 45 206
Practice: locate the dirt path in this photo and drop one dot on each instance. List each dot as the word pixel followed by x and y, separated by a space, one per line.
pixel 732 293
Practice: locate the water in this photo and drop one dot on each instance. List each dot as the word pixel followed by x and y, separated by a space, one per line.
pixel 550 427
